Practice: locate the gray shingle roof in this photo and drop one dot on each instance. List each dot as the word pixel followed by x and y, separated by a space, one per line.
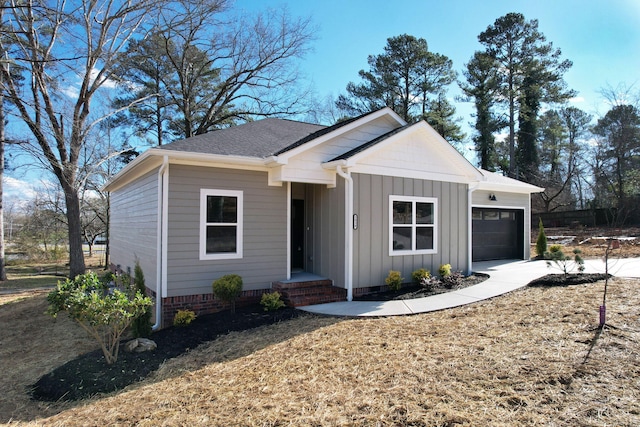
pixel 260 139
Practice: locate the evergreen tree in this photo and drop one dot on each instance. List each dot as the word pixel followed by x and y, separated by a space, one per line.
pixel 482 86
pixel 530 72
pixel 406 78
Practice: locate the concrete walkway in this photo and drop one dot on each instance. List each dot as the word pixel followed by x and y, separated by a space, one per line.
pixel 504 276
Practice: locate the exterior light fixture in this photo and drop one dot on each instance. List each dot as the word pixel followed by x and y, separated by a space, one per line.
pixel 492 197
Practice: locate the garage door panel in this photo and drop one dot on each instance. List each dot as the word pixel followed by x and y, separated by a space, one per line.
pixel 497 234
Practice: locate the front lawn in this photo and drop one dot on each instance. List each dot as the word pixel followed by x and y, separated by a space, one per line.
pixel 531 357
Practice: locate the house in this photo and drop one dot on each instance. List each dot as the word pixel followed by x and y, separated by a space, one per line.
pixel 293 206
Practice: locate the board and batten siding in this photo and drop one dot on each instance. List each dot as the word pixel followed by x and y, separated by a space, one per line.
pixel 480 198
pixel 264 230
pixel 372 261
pixel 328 255
pixel 133 233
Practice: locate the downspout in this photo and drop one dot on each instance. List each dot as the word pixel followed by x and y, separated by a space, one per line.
pixel 348 230
pixel 160 241
pixel 470 226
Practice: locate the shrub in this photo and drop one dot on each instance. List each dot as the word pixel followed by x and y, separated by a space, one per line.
pixel 228 288
pixel 541 243
pixel 444 270
pixel 429 282
pixel 184 318
pixel 452 280
pixel 105 314
pixel 564 263
pixel 420 274
pixel 271 301
pixel 394 280
pixel 141 326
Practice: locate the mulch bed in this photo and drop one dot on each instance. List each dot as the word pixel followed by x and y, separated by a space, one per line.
pixel 568 280
pixel 89 374
pixel 411 291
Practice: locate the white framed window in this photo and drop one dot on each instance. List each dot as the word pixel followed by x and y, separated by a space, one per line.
pixel 413 225
pixel 220 224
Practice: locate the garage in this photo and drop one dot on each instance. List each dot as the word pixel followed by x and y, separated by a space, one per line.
pixel 497 234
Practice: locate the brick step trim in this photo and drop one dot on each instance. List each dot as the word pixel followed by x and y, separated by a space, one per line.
pixel 298 294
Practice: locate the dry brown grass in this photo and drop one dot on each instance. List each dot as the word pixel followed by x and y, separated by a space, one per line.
pixel 533 357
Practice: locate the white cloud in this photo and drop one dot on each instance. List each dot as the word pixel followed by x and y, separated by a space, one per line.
pixel 576 100
pixel 17 192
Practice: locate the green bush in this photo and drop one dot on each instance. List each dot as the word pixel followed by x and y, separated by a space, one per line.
pixel 271 301
pixel 541 243
pixel 394 280
pixel 141 326
pixel 184 318
pixel 228 288
pixel 444 270
pixel 104 313
pixel 420 274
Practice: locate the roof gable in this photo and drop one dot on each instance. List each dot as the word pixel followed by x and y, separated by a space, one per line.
pixel 413 151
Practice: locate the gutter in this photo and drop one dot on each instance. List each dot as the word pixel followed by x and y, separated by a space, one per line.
pixel 348 230
pixel 470 191
pixel 163 178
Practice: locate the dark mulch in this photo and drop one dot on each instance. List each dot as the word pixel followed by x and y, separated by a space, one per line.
pixel 88 374
pixel 567 280
pixel 411 291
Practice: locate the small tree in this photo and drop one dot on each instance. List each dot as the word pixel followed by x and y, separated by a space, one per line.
pixel 142 324
pixel 541 243
pixel 105 314
pixel 228 288
pixel 563 262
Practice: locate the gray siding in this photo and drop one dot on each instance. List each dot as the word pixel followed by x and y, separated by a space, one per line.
pixel 371 241
pixel 265 230
pixel 480 198
pixel 328 232
pixel 134 224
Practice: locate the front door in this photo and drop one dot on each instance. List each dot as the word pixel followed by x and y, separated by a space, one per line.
pixel 297 235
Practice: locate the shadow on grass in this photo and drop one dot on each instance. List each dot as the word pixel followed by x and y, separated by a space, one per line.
pixel 88 376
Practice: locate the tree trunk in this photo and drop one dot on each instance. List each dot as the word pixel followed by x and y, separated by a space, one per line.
pixel 76 254
pixel 3 273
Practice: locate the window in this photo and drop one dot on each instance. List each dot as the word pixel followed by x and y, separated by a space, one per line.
pixel 412 229
pixel 220 224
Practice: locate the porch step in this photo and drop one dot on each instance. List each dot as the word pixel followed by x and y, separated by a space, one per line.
pixel 298 294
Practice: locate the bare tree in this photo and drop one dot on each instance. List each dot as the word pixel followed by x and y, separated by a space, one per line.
pixel 67 51
pixel 210 69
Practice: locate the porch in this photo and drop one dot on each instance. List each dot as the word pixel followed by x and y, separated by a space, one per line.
pixel 305 288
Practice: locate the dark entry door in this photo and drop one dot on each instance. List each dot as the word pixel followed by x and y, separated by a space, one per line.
pixel 497 234
pixel 297 234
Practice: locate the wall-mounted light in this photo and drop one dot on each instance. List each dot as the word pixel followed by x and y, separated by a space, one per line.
pixel 355 221
pixel 492 197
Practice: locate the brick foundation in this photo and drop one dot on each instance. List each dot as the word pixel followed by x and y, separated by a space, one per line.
pixel 204 304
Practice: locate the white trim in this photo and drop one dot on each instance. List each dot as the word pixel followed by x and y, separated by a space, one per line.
pixel 288 228
pixel 348 230
pixel 165 227
pixel 413 225
pixel 161 278
pixel 204 256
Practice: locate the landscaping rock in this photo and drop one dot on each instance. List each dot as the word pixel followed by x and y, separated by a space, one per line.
pixel 140 345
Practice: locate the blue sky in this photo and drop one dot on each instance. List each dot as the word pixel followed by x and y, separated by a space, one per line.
pixel 602 38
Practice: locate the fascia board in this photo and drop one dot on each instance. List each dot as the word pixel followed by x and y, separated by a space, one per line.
pixel 152 159
pixel 522 188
